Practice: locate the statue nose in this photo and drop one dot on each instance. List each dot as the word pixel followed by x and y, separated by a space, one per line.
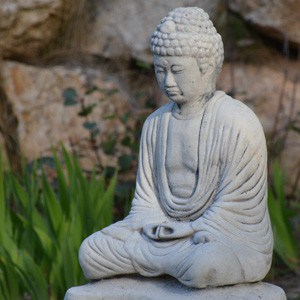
pixel 169 80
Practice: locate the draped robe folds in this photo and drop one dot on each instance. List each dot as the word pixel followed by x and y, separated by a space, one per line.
pixel 228 204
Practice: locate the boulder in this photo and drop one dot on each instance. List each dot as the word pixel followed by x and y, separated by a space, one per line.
pixel 28 27
pixel 52 106
pixel 276 19
pixel 260 87
pixel 36 96
pixel 122 29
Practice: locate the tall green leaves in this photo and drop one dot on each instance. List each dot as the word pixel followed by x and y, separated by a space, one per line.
pixel 43 224
pixel 285 243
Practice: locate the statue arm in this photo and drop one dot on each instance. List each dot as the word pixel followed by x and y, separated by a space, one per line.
pixel 239 210
pixel 145 206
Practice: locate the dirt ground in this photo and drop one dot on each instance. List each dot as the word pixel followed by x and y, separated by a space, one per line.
pixel 290 284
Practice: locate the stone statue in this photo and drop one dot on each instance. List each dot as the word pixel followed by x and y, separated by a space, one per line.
pixel 200 209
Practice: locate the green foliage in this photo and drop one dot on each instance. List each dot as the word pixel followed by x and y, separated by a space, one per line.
pixel 125 162
pixel 42 227
pixel 70 97
pixel 86 110
pixel 89 125
pixel 96 142
pixel 285 242
pixel 143 65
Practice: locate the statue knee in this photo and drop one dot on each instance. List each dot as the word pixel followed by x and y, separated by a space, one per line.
pixel 213 265
pixel 103 256
pixel 85 252
pixel 91 256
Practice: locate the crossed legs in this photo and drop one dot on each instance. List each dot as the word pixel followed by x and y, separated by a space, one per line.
pixel 198 265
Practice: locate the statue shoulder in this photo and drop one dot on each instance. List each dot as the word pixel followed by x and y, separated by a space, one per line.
pixel 159 112
pixel 236 113
pixel 149 124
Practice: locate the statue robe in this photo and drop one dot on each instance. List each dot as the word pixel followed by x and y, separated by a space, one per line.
pixel 228 205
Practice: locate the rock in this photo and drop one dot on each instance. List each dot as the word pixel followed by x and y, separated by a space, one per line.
pixel 8 126
pixel 36 96
pixel 263 97
pixel 122 29
pixel 28 27
pixel 274 18
pixel 167 288
pixel 116 29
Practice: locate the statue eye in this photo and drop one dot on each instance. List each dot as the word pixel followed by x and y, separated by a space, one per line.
pixel 177 70
pixel 159 70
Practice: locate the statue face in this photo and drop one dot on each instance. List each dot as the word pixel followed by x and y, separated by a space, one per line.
pixel 181 79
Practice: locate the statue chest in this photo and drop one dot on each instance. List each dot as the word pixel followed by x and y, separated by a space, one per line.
pixel 182 155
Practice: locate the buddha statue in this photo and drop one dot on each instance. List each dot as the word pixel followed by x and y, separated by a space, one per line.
pixel 200 211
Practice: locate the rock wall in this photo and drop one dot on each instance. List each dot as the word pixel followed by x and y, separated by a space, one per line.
pixel 123 28
pixel 28 27
pixel 276 19
pixel 45 120
pixel 273 96
pixel 47 46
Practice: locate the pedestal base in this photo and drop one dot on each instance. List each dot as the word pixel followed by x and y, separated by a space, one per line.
pixel 162 288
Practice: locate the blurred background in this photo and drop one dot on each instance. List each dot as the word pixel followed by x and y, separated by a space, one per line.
pixel 76 84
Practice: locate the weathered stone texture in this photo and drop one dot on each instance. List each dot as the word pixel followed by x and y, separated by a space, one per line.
pixel 27 27
pixel 276 19
pixel 123 28
pixel 43 121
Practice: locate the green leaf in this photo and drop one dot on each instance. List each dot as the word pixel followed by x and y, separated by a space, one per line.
pixel 126 141
pixel 9 286
pixel 109 145
pixel 33 276
pixel 86 110
pixel 89 125
pixel 70 97
pixel 284 241
pixel 2 202
pixel 92 90
pixel 53 208
pixel 46 241
pixel 125 162
pixel 63 192
pixel 95 132
pixel 144 65
pixel 125 118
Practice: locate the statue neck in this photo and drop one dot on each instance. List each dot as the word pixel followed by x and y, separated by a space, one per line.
pixel 194 107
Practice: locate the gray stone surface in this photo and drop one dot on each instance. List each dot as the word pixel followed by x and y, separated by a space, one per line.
pixel 121 29
pixel 276 19
pixel 167 288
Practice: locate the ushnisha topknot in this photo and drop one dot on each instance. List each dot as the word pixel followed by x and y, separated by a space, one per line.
pixel 188 31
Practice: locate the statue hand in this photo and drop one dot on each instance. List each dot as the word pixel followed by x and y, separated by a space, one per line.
pixel 201 237
pixel 168 230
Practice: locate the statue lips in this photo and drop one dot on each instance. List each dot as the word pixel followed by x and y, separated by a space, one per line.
pixel 173 92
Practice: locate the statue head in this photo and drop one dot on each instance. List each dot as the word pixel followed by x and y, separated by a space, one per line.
pixel 188 54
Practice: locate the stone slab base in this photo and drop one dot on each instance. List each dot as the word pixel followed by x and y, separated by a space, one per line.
pixel 162 288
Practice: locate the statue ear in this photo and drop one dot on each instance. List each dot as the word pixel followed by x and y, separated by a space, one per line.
pixel 208 67
pixel 211 66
